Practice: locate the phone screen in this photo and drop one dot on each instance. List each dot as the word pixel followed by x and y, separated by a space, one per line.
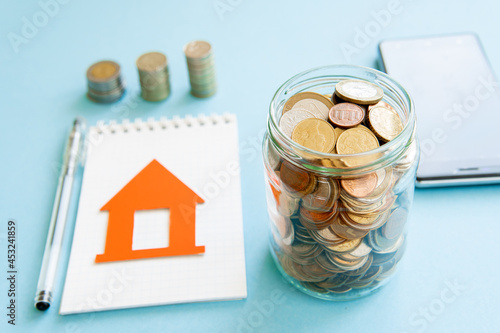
pixel 457 103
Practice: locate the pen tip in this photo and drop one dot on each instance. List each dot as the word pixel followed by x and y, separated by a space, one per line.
pixel 79 121
pixel 42 306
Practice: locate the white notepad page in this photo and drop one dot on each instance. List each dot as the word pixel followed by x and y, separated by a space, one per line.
pixel 203 153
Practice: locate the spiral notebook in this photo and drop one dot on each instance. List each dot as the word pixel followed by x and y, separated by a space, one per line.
pixel 159 218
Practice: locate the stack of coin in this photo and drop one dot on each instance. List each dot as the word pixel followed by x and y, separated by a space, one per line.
pixel 201 67
pixel 104 81
pixel 153 75
pixel 339 234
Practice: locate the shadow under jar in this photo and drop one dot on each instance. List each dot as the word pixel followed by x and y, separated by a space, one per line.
pixel 325 241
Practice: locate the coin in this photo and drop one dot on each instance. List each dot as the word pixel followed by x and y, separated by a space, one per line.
pixel 294 178
pixel 107 96
pixel 287 205
pixel 304 250
pixel 359 92
pixel 385 123
pixel 381 103
pixel 327 265
pixel 346 246
pixel 201 68
pixel 384 180
pixel 316 271
pixel 356 140
pixel 367 278
pixel 316 216
pixel 311 225
pixel 338 131
pixel 362 219
pixel 312 102
pixel 346 115
pixel 315 134
pixel 324 196
pixel 336 99
pixel 346 231
pixel 360 187
pixel 346 265
pixel 290 119
pixel 363 127
pixel 104 82
pixel 395 224
pixel 285 229
pixel 409 156
pixel 273 156
pixel 362 250
pixel 358 273
pixel 340 290
pixel 151 62
pixel 301 233
pixel 197 49
pixel 153 76
pixel 365 221
pixel 103 71
pixel 326 237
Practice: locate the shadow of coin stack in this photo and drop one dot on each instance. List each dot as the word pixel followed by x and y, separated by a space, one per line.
pixel 104 82
pixel 153 76
pixel 201 67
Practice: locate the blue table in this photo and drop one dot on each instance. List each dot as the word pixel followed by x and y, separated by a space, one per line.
pixel 448 281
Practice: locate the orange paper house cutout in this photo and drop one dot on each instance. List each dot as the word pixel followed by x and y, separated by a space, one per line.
pixel 153 188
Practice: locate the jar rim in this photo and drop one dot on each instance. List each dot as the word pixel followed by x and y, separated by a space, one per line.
pixel 338 71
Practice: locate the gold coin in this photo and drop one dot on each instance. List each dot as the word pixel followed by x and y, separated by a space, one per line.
pixel 347 246
pixel 151 62
pixel 339 131
pixel 356 140
pixel 359 92
pixel 313 102
pixel 197 49
pixel 103 71
pixel 315 134
pixel 363 127
pixel 381 103
pixel 363 219
pixel 385 123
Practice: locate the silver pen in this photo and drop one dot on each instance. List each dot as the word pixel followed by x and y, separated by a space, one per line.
pixel 46 281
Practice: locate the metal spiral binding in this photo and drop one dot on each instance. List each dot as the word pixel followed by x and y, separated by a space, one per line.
pixel 163 123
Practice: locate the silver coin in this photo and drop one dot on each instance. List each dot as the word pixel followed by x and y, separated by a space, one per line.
pixel 359 92
pixel 291 118
pixel 320 110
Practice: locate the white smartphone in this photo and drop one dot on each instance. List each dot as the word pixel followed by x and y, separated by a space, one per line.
pixel 457 104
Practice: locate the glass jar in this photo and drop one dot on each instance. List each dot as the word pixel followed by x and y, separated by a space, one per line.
pixel 326 242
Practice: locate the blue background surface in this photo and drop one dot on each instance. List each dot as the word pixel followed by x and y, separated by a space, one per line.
pixel 258 45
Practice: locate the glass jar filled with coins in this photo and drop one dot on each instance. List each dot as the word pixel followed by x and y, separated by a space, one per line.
pixel 340 158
